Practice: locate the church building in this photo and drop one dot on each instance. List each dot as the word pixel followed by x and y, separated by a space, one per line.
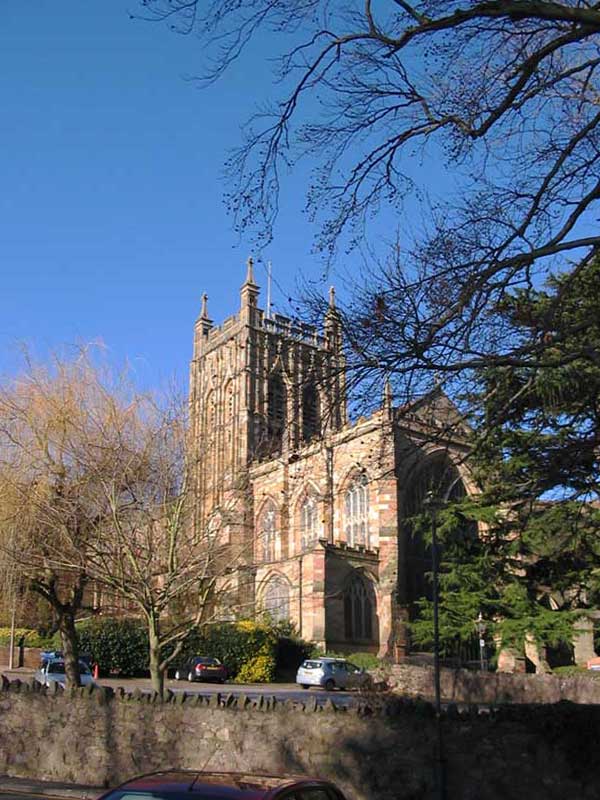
pixel 310 506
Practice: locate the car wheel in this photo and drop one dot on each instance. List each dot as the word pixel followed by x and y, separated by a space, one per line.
pixel 177 675
pixel 329 685
pixel 305 685
pixel 191 677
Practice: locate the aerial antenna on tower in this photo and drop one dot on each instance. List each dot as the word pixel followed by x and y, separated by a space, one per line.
pixel 268 290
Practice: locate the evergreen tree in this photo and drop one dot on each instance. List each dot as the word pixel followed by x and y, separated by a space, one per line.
pixel 535 564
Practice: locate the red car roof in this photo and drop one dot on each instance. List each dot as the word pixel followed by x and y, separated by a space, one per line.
pixel 226 785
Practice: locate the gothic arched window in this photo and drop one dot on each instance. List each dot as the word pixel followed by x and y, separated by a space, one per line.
pixel 213 527
pixel 276 598
pixel 356 516
pixel 440 477
pixel 310 412
pixel 277 409
pixel 269 543
pixel 358 608
pixel 309 522
pixel 216 532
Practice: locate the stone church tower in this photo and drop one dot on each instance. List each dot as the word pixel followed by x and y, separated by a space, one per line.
pixel 260 388
pixel 310 507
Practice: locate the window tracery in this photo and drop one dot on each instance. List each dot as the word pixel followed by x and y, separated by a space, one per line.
pixel 276 598
pixel 358 609
pixel 356 509
pixel 269 543
pixel 309 522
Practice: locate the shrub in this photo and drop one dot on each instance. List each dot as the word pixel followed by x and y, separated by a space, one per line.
pixel 259 669
pixel 253 651
pixel 117 645
pixel 31 636
pixel 290 652
pixel 237 644
pixel 364 660
pixel 360 659
pixel 234 643
pixel 573 670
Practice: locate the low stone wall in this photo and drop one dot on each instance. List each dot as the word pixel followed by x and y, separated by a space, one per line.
pixel 466 686
pixel 377 751
pixel 31 656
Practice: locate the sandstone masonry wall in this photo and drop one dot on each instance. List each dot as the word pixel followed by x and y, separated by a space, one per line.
pixel 31 655
pixel 378 751
pixel 466 686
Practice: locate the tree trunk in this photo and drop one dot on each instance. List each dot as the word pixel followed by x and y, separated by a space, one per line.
pixel 157 674
pixel 68 637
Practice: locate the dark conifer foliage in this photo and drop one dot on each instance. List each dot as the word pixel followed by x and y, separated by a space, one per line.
pixel 536 456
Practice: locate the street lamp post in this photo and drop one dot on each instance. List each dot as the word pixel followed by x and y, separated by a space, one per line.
pixel 433 504
pixel 481 628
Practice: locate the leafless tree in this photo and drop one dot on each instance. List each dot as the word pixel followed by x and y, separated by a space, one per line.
pixel 151 554
pixel 503 96
pixel 59 435
pixel 94 495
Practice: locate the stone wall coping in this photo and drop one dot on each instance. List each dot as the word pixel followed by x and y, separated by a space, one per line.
pixel 371 704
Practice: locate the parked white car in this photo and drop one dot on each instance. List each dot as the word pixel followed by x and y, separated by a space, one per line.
pixel 53 671
pixel 331 673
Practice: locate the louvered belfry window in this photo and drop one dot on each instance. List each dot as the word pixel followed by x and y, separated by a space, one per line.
pixel 277 410
pixel 310 412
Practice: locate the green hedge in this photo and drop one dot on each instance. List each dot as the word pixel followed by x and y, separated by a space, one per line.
pixel 359 659
pixel 573 671
pixel 236 644
pixel 118 645
pixel 252 651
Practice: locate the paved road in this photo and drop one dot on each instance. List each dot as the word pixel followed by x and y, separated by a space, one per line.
pixel 31 789
pixel 282 691
pixel 22 796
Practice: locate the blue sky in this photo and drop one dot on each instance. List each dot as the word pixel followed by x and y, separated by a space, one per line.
pixel 112 221
pixel 111 214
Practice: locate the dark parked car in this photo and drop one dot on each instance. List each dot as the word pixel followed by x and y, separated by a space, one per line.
pixel 222 786
pixel 202 668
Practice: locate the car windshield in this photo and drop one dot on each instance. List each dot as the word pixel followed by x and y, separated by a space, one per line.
pixel 58 668
pixel 165 796
pixel 210 662
pixel 312 664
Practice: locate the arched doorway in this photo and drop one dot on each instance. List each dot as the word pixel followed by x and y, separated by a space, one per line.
pixel 439 476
